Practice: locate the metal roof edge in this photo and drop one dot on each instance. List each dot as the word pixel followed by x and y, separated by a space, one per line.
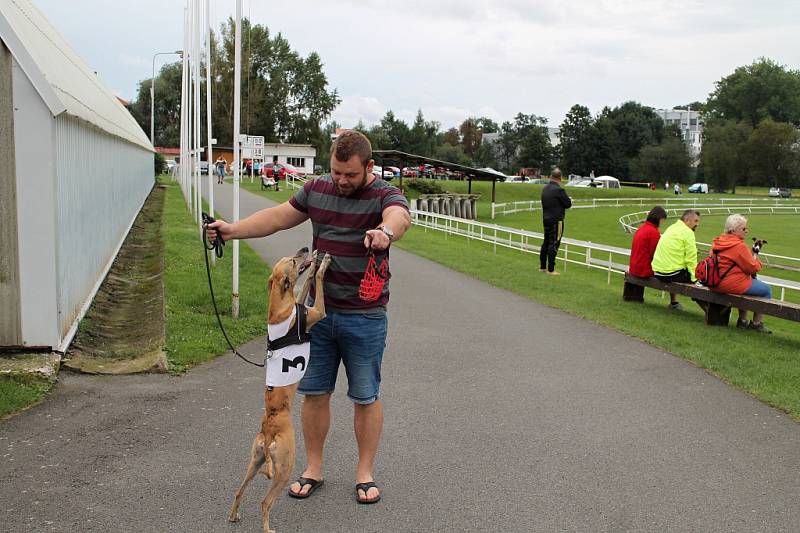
pixel 30 68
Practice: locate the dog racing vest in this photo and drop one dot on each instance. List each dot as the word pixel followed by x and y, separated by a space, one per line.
pixel 288 350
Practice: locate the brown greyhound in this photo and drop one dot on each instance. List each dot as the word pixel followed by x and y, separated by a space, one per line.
pixel 274 444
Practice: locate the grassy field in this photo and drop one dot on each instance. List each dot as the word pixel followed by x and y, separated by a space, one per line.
pixel 193 335
pixel 766 366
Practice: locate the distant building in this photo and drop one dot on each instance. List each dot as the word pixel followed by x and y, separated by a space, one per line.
pixel 691 125
pixel 300 156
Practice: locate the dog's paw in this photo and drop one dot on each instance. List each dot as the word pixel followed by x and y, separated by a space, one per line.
pixel 234 517
pixel 326 260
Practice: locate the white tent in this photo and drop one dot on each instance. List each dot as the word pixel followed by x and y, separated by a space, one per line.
pixel 76 170
pixel 606 182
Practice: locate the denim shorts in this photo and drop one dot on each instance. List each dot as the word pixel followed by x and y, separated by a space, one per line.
pixel 357 340
pixel 759 288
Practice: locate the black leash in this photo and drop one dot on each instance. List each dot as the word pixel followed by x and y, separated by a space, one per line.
pixel 218 246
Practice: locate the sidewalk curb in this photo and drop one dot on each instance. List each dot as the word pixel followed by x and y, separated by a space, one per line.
pixel 28 368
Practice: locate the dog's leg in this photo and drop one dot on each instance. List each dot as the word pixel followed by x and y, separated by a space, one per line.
pixel 303 294
pixel 257 458
pixel 282 454
pixel 317 313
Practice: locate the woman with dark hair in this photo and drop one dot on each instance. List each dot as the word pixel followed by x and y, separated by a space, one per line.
pixel 644 243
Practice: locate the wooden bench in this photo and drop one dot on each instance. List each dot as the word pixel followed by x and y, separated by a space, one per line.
pixel 717 306
pixel 267 182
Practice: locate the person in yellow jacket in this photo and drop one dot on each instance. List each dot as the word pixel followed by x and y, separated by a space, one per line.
pixel 676 254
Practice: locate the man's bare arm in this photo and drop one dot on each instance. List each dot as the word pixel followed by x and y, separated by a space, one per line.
pixel 398 219
pixel 259 224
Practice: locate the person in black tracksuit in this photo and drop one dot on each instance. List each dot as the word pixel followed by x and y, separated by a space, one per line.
pixel 554 202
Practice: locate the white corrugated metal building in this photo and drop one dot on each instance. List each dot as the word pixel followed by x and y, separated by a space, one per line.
pixel 75 169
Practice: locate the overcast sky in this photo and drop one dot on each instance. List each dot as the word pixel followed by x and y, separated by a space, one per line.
pixel 459 58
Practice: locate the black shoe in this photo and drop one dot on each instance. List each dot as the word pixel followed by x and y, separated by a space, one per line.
pixel 759 328
pixel 743 324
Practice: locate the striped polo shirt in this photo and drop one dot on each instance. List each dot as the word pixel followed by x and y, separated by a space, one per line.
pixel 340 224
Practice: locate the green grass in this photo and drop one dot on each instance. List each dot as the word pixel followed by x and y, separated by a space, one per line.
pixel 766 366
pixel 280 196
pixel 15 396
pixel 193 335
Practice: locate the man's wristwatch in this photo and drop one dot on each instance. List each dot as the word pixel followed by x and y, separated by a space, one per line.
pixel 387 231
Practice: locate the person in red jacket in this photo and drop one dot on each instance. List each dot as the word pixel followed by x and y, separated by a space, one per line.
pixel 644 243
pixel 738 265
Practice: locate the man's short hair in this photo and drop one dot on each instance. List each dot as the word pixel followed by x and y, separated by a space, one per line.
pixel 656 215
pixel 734 222
pixel 689 213
pixel 556 174
pixel 351 143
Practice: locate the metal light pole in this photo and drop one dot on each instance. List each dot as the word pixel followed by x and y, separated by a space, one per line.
pixel 153 91
pixel 237 87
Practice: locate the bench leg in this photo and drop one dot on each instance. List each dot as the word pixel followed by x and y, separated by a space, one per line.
pixel 632 293
pixel 717 315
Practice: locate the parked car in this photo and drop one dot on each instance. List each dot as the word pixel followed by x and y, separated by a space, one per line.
pixel 698 188
pixel 780 192
pixel 579 182
pixel 517 179
pixel 268 170
pixel 539 181
pixel 203 167
pixel 410 172
pixel 171 164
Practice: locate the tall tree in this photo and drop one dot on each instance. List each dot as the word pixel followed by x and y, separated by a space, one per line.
pixel 635 126
pixel 452 136
pixel 285 97
pixel 167 110
pixel 507 145
pixel 487 125
pixel 668 160
pixel 471 135
pixel 535 150
pixel 423 136
pixel 723 156
pixel 396 132
pixel 758 91
pixel 772 153
pixel 577 141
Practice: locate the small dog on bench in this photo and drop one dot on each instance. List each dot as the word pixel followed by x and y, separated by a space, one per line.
pixel 289 322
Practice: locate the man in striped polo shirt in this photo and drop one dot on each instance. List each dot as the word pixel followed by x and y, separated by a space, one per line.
pixel 350 210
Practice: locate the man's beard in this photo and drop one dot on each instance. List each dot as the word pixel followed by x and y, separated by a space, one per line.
pixel 354 190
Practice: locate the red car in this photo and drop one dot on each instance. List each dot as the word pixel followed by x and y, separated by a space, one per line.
pixel 283 169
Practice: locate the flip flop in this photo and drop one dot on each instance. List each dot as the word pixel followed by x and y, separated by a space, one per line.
pixel 303 481
pixel 365 487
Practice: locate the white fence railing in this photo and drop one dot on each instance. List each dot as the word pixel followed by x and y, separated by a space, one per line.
pixel 611 259
pixel 295 182
pixel 686 202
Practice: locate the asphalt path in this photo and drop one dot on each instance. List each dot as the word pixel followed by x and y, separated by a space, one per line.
pixel 501 415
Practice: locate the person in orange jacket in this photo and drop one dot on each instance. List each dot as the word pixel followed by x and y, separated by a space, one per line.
pixel 738 265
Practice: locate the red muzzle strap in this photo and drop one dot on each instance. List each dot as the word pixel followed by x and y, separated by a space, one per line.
pixel 374 279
